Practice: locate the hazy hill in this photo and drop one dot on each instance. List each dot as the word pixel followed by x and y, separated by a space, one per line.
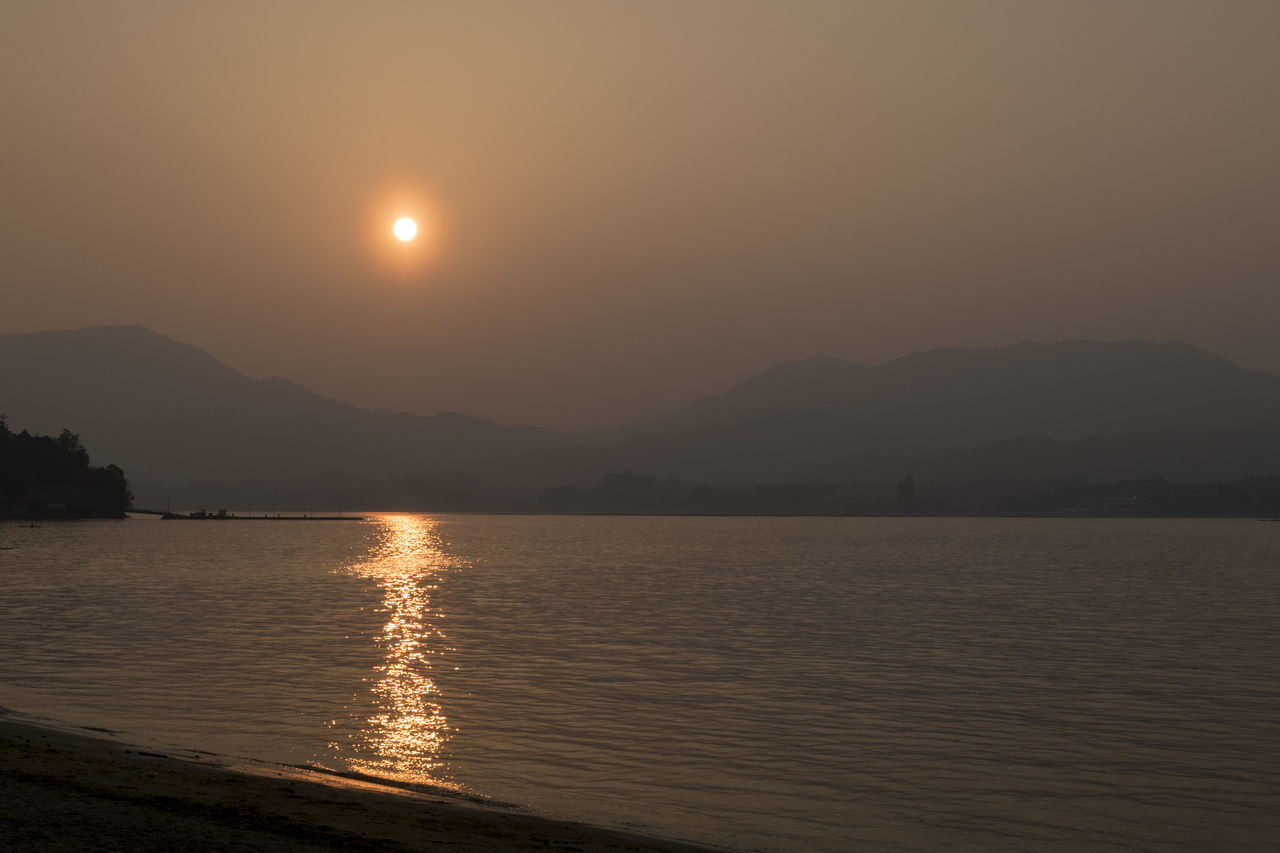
pixel 1063 390
pixel 168 412
pixel 1043 410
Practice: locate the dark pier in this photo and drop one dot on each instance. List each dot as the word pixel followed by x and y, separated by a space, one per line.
pixel 223 515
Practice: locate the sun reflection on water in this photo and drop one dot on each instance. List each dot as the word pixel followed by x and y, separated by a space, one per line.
pixel 405 734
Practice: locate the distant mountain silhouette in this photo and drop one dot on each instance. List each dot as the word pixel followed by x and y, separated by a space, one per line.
pixel 170 413
pixel 1064 391
pixel 1048 410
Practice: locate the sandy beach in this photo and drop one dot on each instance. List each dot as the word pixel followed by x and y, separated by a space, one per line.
pixel 63 791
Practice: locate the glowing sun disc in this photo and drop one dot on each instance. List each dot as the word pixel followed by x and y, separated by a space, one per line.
pixel 405 229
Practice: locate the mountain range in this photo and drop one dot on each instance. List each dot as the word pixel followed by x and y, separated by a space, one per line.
pixel 171 414
pixel 1052 410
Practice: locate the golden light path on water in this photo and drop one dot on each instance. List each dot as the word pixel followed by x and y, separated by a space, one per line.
pixel 405 733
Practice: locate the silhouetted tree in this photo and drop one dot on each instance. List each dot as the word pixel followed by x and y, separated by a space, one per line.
pixel 46 477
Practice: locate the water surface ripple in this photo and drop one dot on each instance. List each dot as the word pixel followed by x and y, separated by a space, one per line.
pixel 774 684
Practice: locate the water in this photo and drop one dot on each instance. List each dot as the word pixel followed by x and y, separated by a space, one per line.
pixel 773 684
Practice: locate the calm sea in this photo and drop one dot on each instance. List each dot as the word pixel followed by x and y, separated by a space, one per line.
pixel 777 684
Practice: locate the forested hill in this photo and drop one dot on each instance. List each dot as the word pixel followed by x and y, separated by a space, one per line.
pixel 46 477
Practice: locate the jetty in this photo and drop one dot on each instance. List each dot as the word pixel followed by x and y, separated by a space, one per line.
pixel 223 515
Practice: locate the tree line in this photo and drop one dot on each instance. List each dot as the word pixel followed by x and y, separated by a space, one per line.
pixel 43 476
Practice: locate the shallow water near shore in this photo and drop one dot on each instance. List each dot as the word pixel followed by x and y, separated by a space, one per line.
pixel 776 684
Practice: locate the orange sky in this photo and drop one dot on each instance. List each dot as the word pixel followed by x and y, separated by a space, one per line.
pixel 627 206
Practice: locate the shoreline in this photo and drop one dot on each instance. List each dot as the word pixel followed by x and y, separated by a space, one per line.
pixel 74 789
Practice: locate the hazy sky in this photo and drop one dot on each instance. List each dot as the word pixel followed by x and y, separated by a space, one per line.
pixel 625 206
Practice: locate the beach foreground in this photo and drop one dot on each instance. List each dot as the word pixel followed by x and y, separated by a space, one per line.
pixel 60 790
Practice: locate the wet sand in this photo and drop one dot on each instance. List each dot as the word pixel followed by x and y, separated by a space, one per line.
pixel 64 791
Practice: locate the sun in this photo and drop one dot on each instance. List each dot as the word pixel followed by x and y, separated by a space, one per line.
pixel 405 229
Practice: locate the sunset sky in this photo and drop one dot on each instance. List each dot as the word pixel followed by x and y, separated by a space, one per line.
pixel 622 207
